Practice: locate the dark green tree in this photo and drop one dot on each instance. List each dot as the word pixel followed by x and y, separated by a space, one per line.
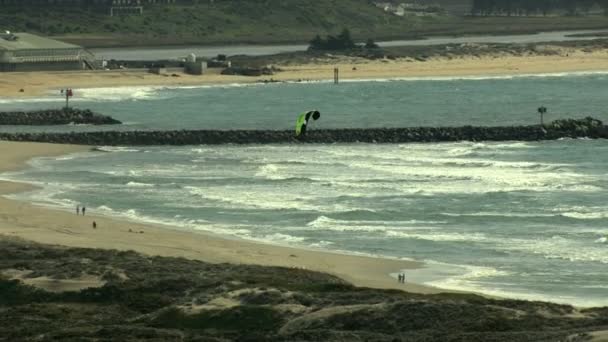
pixel 343 41
pixel 370 44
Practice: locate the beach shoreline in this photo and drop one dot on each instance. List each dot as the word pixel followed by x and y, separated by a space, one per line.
pixel 26 85
pixel 55 227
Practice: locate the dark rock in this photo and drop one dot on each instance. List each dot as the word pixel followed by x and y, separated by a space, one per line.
pixel 56 117
pixel 588 128
pixel 247 71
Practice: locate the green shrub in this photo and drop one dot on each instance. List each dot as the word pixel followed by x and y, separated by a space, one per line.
pixel 13 292
pixel 240 318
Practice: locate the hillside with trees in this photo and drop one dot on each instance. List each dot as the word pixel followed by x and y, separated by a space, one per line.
pixel 271 21
pixel 538 7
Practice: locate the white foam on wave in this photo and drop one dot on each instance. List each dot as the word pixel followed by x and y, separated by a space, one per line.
pixel 104 208
pixel 68 157
pixel 500 214
pixel 487 280
pixel 116 149
pixel 321 244
pixel 582 212
pixel 234 230
pixel 45 163
pixel 279 238
pixel 117 94
pixel 438 157
pixel 325 223
pixel 198 150
pixel 48 194
pixel 124 93
pixel 221 85
pixel 586 216
pixel 435 163
pixel 602 240
pixel 557 247
pixel 602 287
pixel 478 175
pixel 270 171
pixel 438 236
pixel 478 77
pixel 239 197
pixel 511 145
pixel 139 185
pixel 461 151
pixel 134 215
pixel 28 100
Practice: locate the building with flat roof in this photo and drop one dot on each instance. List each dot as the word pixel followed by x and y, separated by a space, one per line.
pixel 28 52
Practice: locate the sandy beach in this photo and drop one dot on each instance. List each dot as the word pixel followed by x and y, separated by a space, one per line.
pixel 42 225
pixel 38 83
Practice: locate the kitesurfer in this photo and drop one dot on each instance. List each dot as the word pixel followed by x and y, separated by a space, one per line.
pixel 303 119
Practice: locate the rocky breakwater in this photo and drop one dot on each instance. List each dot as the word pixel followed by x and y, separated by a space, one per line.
pixel 56 117
pixel 584 128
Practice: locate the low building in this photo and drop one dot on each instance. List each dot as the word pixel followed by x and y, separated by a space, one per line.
pixel 28 52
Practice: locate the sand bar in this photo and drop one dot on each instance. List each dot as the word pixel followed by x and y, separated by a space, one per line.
pixel 34 223
pixel 39 83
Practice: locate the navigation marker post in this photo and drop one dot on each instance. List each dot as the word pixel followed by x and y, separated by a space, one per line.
pixel 68 93
pixel 542 110
pixel 336 75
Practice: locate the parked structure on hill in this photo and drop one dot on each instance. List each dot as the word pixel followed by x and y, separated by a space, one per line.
pixel 27 52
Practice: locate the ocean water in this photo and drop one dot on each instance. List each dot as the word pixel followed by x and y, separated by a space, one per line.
pixel 442 101
pixel 524 220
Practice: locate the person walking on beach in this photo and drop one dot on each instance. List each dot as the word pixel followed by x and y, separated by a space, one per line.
pixel 83 210
pixel 78 210
pixel 94 225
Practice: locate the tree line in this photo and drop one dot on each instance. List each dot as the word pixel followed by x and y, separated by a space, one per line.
pixel 343 41
pixel 536 7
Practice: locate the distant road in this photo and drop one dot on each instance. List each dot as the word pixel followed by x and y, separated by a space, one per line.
pixel 155 53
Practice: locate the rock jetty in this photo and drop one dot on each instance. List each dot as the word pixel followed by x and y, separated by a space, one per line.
pixel 584 128
pixel 56 117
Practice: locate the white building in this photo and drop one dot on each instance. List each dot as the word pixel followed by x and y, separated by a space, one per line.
pixel 28 52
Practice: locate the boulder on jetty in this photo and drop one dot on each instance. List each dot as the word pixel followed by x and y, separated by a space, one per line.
pixel 585 128
pixel 56 117
pixel 247 71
